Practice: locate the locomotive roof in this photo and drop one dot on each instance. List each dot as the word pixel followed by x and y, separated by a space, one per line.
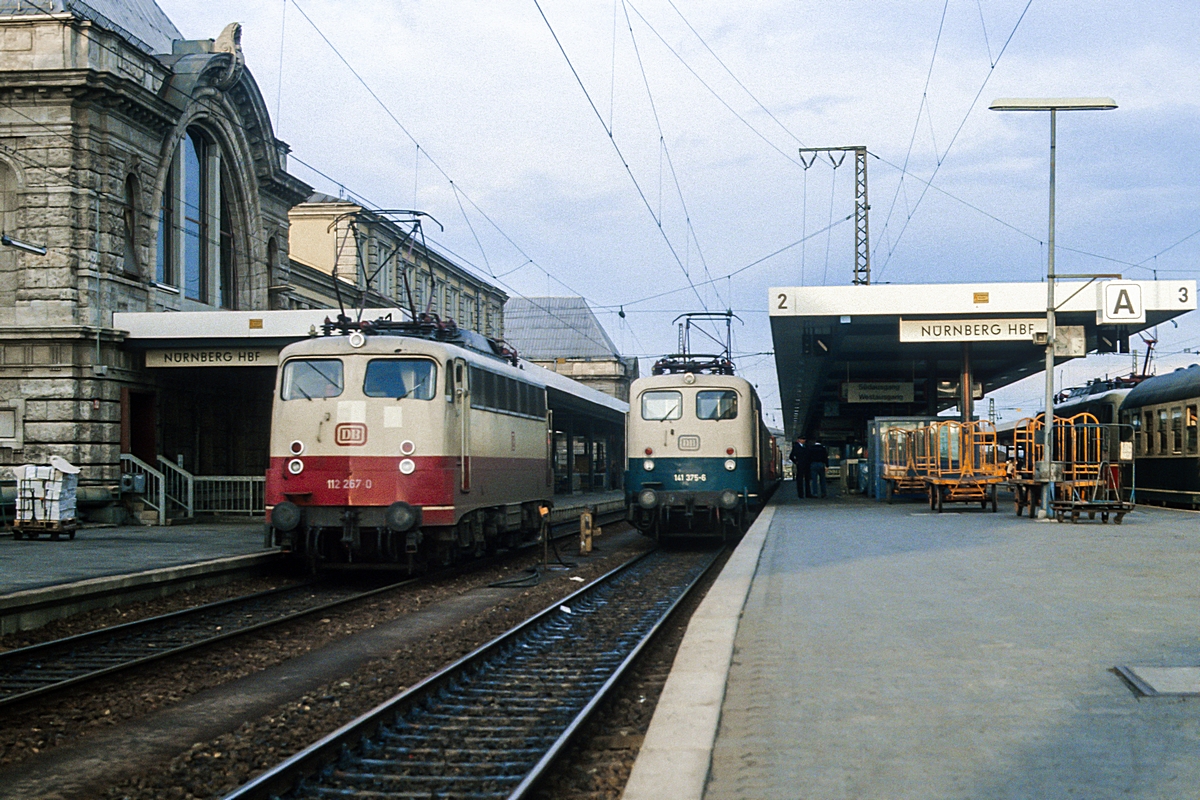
pixel 1183 383
pixel 390 344
pixel 701 381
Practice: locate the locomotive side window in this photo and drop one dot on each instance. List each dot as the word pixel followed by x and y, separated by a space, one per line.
pixel 399 378
pixel 309 378
pixel 662 405
pixel 716 404
pixel 1190 420
pixel 506 395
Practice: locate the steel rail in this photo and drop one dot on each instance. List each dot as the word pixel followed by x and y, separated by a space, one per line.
pixel 29 672
pixel 491 723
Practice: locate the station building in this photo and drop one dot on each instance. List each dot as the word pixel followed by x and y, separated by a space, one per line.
pixel 147 273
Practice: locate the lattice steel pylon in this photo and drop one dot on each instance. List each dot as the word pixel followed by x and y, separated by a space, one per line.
pixel 862 238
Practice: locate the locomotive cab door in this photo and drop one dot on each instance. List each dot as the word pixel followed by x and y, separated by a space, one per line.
pixel 462 408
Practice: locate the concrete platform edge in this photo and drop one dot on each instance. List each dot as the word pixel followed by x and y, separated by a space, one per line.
pixel 32 608
pixel 675 758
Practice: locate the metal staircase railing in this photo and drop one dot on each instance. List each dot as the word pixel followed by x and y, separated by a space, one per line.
pixel 180 488
pixel 155 495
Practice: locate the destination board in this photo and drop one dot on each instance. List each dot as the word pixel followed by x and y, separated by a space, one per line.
pixel 971 330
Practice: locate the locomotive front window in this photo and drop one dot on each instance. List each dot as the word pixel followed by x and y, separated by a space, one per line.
pixel 400 377
pixel 716 405
pixel 658 406
pixel 310 378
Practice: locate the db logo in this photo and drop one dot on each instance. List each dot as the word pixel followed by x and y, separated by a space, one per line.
pixel 350 434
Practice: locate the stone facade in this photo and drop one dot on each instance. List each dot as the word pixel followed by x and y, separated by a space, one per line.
pixel 371 252
pixel 147 167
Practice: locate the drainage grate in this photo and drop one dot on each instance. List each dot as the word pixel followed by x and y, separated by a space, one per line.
pixel 1162 681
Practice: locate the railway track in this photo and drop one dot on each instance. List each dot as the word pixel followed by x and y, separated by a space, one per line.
pixel 32 671
pixel 490 724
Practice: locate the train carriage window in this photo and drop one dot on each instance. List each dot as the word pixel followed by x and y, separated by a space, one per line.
pixel 662 405
pixel 716 404
pixel 311 378
pixel 1148 432
pixel 400 378
pixel 1162 431
pixel 1190 428
pixel 1176 430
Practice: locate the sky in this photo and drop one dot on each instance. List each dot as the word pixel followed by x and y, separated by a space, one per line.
pixel 640 153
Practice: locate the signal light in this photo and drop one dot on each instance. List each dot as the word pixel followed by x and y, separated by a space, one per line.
pixel 649 451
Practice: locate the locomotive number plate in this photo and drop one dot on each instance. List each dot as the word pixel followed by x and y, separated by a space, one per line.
pixel 349 483
pixel 690 477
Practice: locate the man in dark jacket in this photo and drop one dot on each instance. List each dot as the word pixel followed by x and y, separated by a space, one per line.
pixel 818 459
pixel 801 458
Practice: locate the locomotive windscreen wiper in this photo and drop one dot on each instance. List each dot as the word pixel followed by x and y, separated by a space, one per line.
pixel 416 386
pixel 668 414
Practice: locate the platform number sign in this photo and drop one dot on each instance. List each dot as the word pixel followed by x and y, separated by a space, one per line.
pixel 1120 302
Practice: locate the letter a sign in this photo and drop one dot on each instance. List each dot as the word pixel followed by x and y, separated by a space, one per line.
pixel 1120 302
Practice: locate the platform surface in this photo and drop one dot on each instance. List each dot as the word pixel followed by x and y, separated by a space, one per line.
pixel 101 552
pixel 889 652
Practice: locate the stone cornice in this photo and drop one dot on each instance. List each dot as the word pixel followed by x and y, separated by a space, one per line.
pixel 87 87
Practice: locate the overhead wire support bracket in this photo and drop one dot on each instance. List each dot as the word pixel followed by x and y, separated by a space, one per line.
pixel 862 239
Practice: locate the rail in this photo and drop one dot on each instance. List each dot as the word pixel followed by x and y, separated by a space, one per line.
pixel 180 486
pixel 488 725
pixel 155 495
pixel 230 494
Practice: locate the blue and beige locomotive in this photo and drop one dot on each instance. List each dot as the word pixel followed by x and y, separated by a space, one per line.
pixel 699 459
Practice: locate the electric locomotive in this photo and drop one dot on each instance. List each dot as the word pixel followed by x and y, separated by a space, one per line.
pixel 699 458
pixel 402 443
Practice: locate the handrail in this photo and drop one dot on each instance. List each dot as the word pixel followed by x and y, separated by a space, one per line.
pixel 155 483
pixel 180 486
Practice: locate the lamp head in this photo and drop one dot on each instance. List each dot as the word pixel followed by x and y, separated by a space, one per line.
pixel 1053 104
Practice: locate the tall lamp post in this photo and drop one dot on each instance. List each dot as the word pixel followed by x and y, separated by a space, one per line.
pixel 1053 105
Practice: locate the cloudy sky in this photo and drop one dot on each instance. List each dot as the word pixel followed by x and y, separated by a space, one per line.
pixel 639 152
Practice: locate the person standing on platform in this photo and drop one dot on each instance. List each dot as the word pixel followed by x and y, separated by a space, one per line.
pixel 801 458
pixel 818 461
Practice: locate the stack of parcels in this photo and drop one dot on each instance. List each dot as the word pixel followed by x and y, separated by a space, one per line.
pixel 46 494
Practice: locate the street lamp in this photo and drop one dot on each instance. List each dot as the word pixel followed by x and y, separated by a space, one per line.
pixel 1053 105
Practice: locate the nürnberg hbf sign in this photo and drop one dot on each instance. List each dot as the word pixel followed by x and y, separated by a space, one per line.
pixel 970 330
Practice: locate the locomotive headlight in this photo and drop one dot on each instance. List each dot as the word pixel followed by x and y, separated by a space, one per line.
pixel 730 464
pixel 648 498
pixel 648 465
pixel 407 466
pixel 295 466
pixel 285 516
pixel 297 448
pixel 729 499
pixel 400 516
pixel 407 447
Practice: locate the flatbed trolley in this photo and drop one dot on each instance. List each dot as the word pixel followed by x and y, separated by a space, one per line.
pixel 1088 485
pixel 961 463
pixel 32 529
pixel 900 472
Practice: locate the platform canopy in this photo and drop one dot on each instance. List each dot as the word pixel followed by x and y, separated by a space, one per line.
pixel 846 354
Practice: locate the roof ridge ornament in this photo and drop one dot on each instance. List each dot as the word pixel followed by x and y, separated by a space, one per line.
pixel 230 42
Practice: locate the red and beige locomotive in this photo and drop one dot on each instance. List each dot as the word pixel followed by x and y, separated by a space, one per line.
pixel 406 443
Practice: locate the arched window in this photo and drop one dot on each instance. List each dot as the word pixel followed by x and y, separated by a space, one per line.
pixel 129 217
pixel 196 247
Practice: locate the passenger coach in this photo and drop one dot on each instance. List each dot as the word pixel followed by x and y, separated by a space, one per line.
pixel 1162 412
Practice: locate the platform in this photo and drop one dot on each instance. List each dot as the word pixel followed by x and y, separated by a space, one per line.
pixel 852 649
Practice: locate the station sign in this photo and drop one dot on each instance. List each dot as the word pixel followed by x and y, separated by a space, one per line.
pixel 971 330
pixel 879 392
pixel 213 357
pixel 1120 302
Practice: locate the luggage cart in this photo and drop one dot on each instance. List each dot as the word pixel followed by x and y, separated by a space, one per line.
pixel 900 472
pixel 963 466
